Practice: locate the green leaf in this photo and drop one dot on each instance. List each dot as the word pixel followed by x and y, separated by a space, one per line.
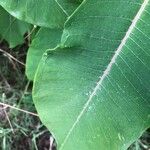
pixel 47 13
pixel 95 93
pixel 44 39
pixel 11 29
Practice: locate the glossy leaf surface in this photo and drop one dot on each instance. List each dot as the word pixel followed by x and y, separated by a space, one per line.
pixel 94 91
pixel 47 13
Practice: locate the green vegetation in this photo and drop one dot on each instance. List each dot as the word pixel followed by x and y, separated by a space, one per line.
pixel 89 63
pixel 18 130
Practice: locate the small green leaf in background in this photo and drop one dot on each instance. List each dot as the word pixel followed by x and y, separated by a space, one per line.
pixel 94 94
pixel 47 38
pixel 47 13
pixel 44 39
pixel 12 29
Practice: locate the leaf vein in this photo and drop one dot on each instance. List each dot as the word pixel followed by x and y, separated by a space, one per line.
pixel 108 69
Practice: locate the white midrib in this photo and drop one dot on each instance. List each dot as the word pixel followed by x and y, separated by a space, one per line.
pixel 108 69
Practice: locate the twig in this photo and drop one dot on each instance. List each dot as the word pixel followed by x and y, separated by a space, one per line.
pixel 22 110
pixel 51 140
pixel 35 136
pixel 12 57
pixel 3 96
pixel 143 145
pixel 9 121
pixel 24 92
pixel 34 27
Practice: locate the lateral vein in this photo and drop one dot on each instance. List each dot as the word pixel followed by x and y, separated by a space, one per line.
pixel 108 69
pixel 62 8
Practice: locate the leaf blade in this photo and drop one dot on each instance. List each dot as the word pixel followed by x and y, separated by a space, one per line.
pixel 45 39
pixel 122 101
pixel 12 30
pixel 54 12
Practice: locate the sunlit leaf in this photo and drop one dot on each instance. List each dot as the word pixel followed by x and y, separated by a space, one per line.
pixel 93 93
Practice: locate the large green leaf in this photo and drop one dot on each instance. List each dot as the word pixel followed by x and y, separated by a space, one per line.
pixel 95 93
pixel 12 29
pixel 47 13
pixel 44 39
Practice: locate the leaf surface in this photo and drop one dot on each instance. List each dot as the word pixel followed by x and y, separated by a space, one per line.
pixel 12 29
pixel 45 38
pixel 95 92
pixel 47 13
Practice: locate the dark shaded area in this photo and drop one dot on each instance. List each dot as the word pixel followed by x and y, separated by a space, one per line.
pixel 28 132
